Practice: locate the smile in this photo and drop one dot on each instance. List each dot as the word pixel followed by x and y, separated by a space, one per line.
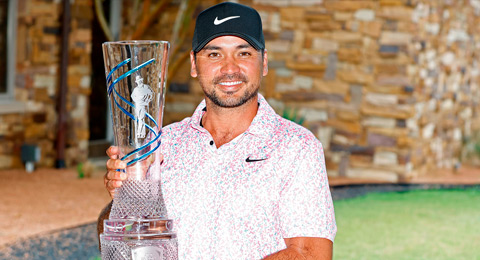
pixel 230 83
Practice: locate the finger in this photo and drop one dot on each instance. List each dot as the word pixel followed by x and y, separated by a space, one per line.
pixel 114 164
pixel 115 176
pixel 111 185
pixel 113 152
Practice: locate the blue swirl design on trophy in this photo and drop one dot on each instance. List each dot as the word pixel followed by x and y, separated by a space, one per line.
pixel 141 98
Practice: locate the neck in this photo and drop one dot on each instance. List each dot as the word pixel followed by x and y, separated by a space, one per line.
pixel 224 124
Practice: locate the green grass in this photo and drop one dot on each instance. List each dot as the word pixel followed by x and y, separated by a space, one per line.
pixel 428 224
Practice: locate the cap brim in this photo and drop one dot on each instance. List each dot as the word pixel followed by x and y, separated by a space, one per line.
pixel 255 44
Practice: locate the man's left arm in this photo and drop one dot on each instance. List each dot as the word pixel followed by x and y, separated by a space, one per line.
pixel 306 211
pixel 304 248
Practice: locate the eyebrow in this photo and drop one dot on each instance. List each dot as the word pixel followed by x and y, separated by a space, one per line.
pixel 214 47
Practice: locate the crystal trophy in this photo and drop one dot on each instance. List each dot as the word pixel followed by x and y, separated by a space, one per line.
pixel 138 226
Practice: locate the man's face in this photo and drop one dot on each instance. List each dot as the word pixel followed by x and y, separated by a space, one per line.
pixel 229 70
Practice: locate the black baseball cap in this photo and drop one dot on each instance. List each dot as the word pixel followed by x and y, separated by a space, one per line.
pixel 228 19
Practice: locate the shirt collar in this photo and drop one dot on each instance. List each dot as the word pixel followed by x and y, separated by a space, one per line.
pixel 263 124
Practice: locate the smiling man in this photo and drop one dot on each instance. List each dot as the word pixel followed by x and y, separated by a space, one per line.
pixel 239 181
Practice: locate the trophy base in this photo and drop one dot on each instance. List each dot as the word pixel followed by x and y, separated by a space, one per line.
pixel 140 239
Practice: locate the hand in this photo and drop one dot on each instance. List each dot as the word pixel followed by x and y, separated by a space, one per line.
pixel 113 179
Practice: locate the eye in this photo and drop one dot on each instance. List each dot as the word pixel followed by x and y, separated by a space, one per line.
pixel 245 54
pixel 214 55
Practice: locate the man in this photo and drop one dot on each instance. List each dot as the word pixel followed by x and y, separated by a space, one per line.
pixel 239 181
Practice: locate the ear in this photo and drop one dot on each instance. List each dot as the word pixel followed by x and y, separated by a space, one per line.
pixel 265 63
pixel 193 65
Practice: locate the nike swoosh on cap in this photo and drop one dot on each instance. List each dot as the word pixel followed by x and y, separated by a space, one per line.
pixel 217 22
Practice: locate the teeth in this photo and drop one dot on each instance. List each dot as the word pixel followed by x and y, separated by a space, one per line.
pixel 230 83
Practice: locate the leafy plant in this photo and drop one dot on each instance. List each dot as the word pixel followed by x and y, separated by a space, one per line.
pixel 292 115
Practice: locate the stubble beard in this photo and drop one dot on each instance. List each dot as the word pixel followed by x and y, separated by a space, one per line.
pixel 232 102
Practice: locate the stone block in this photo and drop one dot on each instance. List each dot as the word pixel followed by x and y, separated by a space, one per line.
pixel 352 115
pixel 351 55
pixel 288 35
pixel 35 131
pixel 366 15
pixel 341 142
pixel 42 95
pixel 283 72
pixel 307 3
pixel 350 5
pixel 276 64
pixel 292 13
pixel 310 96
pixel 398 112
pixel 361 161
pixel 386 158
pixel 284 87
pixel 372 174
pixel 389 50
pixel 305 66
pixel 428 131
pixel 331 87
pixel 393 2
pixel 395 38
pixel 378 99
pixel 356 95
pixel 323 44
pixel 324 134
pixel 298 42
pixel 317 15
pixel 331 71
pixel 457 35
pixel 374 140
pixel 355 77
pixel 353 127
pixel 328 25
pixel 379 122
pixel 281 46
pixel 390 69
pixel 372 29
pixel 82 134
pixel 312 115
pixel 33 106
pixel 393 80
pixel 275 23
pixel 343 16
pixel 44 81
pixel 6 161
pixel 346 37
pixel 303 82
pixel 401 13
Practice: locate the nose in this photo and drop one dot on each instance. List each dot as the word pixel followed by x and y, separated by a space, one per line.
pixel 229 66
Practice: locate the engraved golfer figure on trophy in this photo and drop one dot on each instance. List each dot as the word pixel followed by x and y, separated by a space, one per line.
pixel 141 95
pixel 138 227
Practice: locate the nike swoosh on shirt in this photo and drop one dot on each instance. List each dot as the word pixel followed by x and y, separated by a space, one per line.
pixel 217 22
pixel 254 160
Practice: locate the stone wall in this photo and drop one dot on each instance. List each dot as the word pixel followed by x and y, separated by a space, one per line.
pixel 37 80
pixel 390 87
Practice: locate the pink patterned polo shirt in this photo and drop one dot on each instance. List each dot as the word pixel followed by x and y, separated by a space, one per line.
pixel 241 200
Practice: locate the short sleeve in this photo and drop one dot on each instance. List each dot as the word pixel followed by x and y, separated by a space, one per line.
pixel 305 206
